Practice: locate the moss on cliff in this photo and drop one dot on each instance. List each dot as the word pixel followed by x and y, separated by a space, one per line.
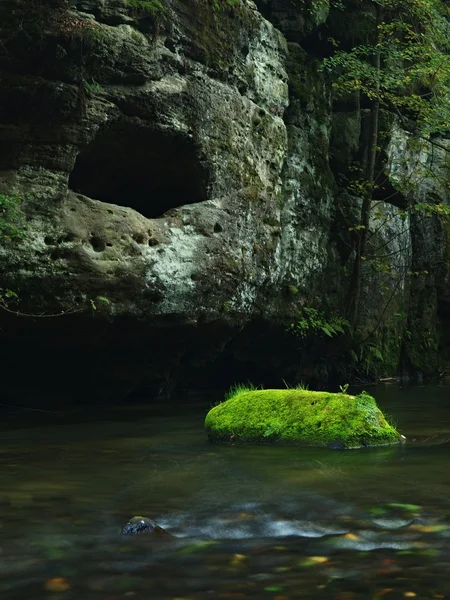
pixel 217 37
pixel 300 417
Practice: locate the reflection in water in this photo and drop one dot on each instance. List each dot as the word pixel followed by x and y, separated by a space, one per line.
pixel 249 522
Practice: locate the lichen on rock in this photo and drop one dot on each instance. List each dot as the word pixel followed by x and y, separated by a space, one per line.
pixel 300 417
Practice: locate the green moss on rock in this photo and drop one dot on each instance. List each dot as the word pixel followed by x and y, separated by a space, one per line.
pixel 300 417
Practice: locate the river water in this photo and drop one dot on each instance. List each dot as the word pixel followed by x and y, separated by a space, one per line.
pixel 249 522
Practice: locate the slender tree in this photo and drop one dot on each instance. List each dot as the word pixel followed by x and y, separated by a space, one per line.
pixel 403 67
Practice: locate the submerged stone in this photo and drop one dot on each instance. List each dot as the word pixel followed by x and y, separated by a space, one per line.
pixel 301 417
pixel 137 525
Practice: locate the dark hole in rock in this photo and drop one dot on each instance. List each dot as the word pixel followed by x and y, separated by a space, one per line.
pixel 139 238
pixel 319 424
pixel 97 243
pixel 48 240
pixel 143 168
pixel 109 244
pixel 218 228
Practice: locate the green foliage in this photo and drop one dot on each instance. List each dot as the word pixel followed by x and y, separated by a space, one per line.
pixel 7 297
pixel 154 7
pixel 92 88
pixel 302 386
pixel 224 4
pixel 99 302
pixel 313 322
pixel 413 44
pixel 239 388
pixel 12 218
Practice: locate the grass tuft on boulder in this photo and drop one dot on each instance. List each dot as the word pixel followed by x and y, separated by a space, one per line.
pixel 302 417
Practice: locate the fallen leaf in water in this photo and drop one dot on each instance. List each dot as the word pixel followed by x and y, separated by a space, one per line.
pixel 273 588
pixel 237 559
pixel 377 511
pixel 410 594
pixel 318 559
pixel 410 507
pixel 198 545
pixel 57 584
pixel 351 536
pixel 310 561
pixel 429 528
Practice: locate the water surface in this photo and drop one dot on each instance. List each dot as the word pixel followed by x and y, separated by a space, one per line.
pixel 250 522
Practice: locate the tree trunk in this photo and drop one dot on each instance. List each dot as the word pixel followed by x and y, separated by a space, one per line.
pixel 354 294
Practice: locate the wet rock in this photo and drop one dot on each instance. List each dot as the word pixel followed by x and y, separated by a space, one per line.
pixel 138 525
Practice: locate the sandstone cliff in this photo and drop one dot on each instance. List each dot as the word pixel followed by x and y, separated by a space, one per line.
pixel 181 173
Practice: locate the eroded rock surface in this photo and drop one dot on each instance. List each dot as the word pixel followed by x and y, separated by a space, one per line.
pixel 181 176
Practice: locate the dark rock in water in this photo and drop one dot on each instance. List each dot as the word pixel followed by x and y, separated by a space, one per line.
pixel 337 445
pixel 138 525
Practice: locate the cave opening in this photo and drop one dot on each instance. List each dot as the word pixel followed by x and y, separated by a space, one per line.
pixel 146 169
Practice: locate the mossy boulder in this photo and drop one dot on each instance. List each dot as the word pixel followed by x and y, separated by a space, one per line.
pixel 300 417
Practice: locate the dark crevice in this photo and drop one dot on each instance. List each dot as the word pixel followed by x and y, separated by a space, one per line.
pixel 146 169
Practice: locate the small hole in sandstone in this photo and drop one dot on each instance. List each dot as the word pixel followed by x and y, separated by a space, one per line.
pixel 312 403
pixel 110 272
pixel 111 212
pixel 60 240
pixel 319 424
pixel 109 244
pixel 73 209
pixel 139 238
pixel 218 228
pixel 48 240
pixel 97 244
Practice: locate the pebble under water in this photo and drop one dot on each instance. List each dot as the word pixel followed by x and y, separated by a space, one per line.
pixel 248 522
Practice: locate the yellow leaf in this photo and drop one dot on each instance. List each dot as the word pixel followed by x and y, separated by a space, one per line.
pixel 351 536
pixel 318 559
pixel 57 584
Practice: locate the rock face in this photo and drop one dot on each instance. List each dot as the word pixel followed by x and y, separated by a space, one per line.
pixel 181 206
pixel 300 417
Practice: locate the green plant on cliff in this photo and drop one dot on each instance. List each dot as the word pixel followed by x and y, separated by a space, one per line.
pixel 154 7
pixel 224 4
pixel 313 323
pixel 404 68
pixel 12 218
